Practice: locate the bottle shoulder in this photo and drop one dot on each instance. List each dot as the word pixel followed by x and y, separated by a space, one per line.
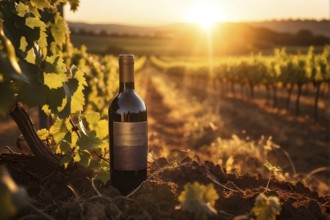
pixel 127 101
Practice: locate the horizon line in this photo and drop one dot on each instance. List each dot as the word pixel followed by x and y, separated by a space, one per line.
pixel 183 22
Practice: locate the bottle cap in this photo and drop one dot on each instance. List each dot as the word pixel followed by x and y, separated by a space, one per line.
pixel 126 68
pixel 126 59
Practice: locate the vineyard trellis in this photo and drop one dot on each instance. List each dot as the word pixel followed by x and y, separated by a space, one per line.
pixel 278 71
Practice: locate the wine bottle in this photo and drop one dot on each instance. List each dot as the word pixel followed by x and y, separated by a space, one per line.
pixel 127 132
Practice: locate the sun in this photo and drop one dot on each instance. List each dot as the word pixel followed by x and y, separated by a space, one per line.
pixel 205 15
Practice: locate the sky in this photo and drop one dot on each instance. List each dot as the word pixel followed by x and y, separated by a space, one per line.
pixel 156 12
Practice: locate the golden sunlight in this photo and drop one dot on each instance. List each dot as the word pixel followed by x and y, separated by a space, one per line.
pixel 205 15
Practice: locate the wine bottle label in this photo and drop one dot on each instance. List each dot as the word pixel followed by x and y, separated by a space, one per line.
pixel 130 145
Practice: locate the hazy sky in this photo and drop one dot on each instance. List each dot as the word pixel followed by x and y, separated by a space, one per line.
pixel 154 12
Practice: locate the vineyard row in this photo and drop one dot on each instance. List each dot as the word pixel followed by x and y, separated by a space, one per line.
pixel 278 71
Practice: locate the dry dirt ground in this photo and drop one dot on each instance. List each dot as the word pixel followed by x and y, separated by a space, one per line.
pixel 174 113
pixel 306 142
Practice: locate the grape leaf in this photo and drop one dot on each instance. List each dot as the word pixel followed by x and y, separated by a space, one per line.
pixel 43 133
pixel 34 22
pixel 58 30
pixel 103 175
pixel 65 160
pixel 58 130
pixel 85 158
pixel 34 10
pixel 54 80
pixel 31 57
pixel 76 158
pixel 55 64
pixel 266 208
pixel 64 147
pixel 22 9
pixel 69 98
pixel 78 98
pixel 54 75
pixel 89 141
pixel 55 99
pixel 23 44
pixel 101 129
pixel 40 4
pixel 92 117
pixel 97 125
pixel 42 42
pixel 198 199
pixel 33 93
pixel 74 4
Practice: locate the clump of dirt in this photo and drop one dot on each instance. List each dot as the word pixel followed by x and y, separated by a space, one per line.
pixel 72 195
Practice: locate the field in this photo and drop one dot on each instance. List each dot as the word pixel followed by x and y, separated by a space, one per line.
pixel 177 46
pixel 231 134
pixel 185 132
pixel 140 46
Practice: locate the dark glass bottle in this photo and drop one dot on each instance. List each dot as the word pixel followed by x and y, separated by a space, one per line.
pixel 127 132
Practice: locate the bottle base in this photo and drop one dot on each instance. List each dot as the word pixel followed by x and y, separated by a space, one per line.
pixel 127 181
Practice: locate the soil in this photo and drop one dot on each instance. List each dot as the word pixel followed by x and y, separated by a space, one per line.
pixel 175 114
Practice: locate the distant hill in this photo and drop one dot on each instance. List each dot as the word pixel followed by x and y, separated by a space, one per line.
pixel 182 38
pixel 282 26
pixel 112 28
pixel 293 26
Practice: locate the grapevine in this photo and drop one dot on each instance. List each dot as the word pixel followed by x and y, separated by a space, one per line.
pixel 280 70
pixel 39 67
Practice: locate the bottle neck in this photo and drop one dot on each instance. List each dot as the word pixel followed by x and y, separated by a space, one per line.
pixel 126 72
pixel 126 85
pixel 126 77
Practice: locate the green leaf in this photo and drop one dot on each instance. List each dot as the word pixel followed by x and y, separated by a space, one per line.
pixel 31 57
pixel 55 64
pixel 54 80
pixel 34 10
pixel 266 208
pixel 59 100
pixel 43 133
pixel 65 147
pixel 58 30
pixel 89 142
pixel 42 42
pixel 85 158
pixel 74 4
pixel 76 158
pixel 40 4
pixel 92 117
pixel 95 165
pixel 65 160
pixel 103 175
pixel 34 22
pixel 58 130
pixel 33 93
pixel 54 75
pixel 78 98
pixel 22 9
pixel 198 199
pixel 101 129
pixel 55 99
pixel 23 44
